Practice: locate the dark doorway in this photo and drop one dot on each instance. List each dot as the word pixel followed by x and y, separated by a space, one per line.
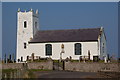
pixel 57 65
pixel 95 58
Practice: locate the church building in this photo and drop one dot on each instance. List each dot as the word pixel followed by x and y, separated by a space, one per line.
pixel 57 44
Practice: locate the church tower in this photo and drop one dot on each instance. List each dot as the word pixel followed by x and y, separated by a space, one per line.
pixel 27 26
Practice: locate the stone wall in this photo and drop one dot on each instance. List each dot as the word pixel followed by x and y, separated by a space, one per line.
pixel 72 66
pixel 12 65
pixel 41 65
pixel 33 65
pixel 91 67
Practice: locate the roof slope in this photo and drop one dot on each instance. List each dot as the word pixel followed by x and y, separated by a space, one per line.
pixel 71 35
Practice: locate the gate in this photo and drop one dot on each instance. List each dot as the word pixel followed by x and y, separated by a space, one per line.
pixel 57 65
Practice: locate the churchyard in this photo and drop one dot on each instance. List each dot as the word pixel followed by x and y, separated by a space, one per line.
pixel 47 65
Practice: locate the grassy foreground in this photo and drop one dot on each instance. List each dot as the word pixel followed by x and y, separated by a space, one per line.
pixel 28 73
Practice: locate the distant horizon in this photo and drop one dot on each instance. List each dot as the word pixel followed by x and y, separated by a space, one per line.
pixel 59 16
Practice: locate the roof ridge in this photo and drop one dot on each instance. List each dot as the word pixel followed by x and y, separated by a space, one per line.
pixel 69 29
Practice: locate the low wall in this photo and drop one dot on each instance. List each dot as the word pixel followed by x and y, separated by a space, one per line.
pixel 33 65
pixel 91 67
pixel 12 66
pixel 41 65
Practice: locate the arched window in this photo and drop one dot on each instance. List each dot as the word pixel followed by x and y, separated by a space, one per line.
pixel 25 24
pixel 48 50
pixel 78 49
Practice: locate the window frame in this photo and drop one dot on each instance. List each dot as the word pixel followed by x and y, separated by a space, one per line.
pixel 48 49
pixel 25 24
pixel 25 45
pixel 76 48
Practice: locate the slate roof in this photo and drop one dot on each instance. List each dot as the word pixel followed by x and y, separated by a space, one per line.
pixel 71 35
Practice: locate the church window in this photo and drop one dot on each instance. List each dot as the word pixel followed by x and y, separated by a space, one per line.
pixel 25 24
pixel 25 46
pixel 48 49
pixel 78 49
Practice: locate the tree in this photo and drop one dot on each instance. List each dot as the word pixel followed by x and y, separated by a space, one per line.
pixel 108 56
pixel 5 58
pixel 10 57
pixel 119 60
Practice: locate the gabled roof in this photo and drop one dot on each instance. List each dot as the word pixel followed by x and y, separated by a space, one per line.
pixel 71 35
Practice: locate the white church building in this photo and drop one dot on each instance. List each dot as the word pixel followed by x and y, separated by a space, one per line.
pixel 56 44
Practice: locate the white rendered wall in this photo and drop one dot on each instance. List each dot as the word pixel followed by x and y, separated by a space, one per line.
pixel 39 50
pixel 35 20
pixel 103 48
pixel 25 34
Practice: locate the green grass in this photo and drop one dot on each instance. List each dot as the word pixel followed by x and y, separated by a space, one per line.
pixel 74 60
pixel 55 60
pixel 8 70
pixel 101 61
pixel 29 73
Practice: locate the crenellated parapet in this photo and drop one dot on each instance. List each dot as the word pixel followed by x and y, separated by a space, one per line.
pixel 31 10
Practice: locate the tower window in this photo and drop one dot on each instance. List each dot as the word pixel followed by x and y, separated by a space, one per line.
pixel 25 46
pixel 25 24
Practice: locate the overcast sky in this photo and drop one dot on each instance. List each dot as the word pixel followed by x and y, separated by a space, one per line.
pixel 63 15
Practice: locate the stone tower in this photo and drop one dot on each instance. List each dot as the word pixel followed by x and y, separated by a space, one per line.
pixel 27 25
